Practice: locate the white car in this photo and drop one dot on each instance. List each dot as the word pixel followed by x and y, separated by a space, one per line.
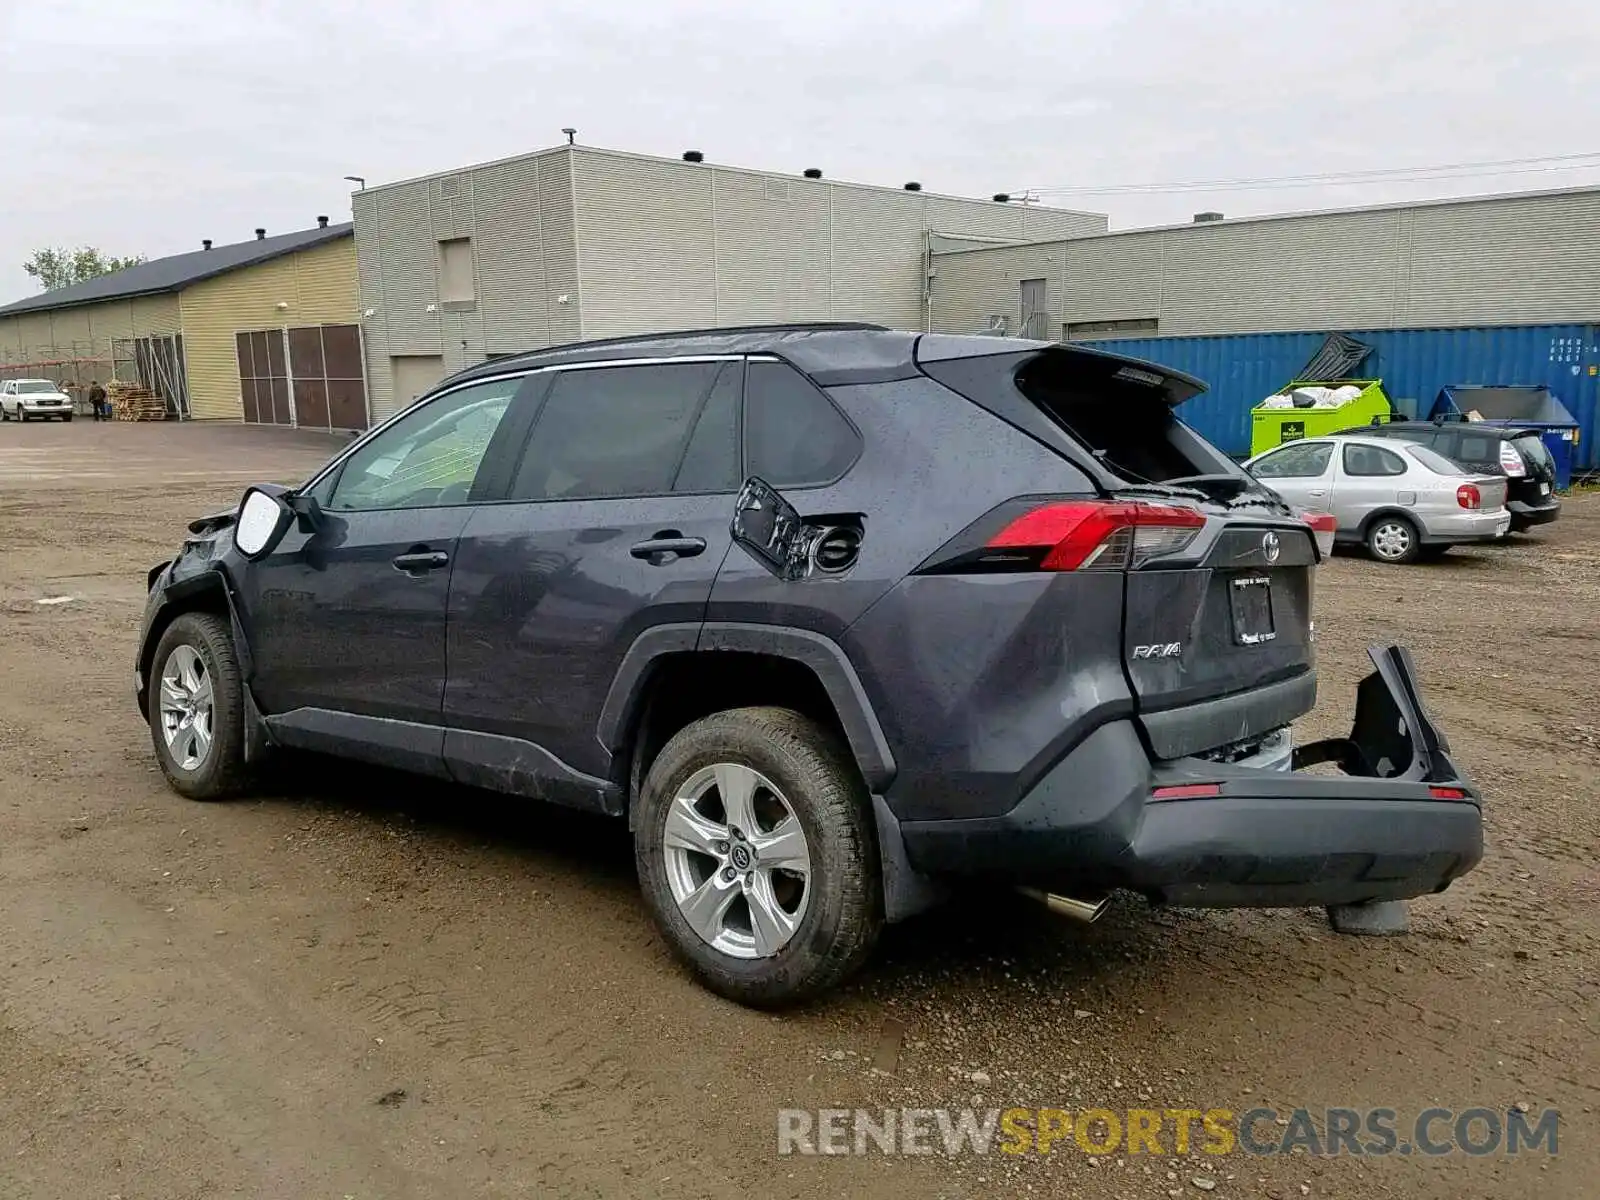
pixel 25 399
pixel 1402 501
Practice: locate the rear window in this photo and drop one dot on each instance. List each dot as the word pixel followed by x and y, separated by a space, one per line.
pixel 1127 423
pixel 1533 450
pixel 1435 462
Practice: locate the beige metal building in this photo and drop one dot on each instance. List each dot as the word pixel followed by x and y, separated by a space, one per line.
pixel 575 242
pixel 1526 259
pixel 265 331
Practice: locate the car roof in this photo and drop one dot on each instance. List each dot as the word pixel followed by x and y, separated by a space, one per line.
pixel 1500 431
pixel 830 352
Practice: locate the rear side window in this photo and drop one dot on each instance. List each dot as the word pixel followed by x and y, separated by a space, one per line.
pixel 620 431
pixel 1422 437
pixel 793 435
pixel 1478 448
pixel 1305 461
pixel 1372 460
pixel 1435 462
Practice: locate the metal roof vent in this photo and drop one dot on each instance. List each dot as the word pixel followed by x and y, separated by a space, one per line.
pixel 693 156
pixel 322 222
pixel 1206 218
pixel 261 235
pixel 913 186
pixel 812 173
pixel 205 244
pixel 1002 197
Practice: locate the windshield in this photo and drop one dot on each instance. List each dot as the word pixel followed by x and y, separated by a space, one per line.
pixel 1435 462
pixel 29 388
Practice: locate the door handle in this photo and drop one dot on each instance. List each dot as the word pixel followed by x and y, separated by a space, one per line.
pixel 418 562
pixel 669 541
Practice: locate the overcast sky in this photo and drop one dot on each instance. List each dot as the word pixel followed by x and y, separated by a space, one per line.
pixel 142 126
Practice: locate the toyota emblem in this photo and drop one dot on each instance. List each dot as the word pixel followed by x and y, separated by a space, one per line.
pixel 1270 547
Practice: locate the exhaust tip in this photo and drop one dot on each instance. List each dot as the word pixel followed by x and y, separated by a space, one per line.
pixel 1085 912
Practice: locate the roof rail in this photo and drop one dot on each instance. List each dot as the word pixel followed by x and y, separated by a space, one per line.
pixel 782 327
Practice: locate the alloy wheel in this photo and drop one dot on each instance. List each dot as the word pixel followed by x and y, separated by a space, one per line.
pixel 737 861
pixel 187 707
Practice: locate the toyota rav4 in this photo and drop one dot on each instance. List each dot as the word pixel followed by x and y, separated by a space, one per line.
pixel 833 617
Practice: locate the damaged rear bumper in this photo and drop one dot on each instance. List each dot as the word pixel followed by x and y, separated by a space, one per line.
pixel 1398 820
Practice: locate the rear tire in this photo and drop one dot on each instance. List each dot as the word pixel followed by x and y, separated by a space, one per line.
pixel 196 708
pixel 773 934
pixel 1394 539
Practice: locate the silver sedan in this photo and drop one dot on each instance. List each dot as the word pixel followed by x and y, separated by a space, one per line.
pixel 1401 500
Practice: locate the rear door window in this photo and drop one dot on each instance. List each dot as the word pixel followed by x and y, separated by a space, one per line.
pixel 1367 461
pixel 629 431
pixel 793 435
pixel 1478 448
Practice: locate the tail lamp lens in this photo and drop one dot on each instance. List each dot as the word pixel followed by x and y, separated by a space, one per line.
pixel 1084 535
pixel 1323 527
pixel 1511 461
pixel 1468 496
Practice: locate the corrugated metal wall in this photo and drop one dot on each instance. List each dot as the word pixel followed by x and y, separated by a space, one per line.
pixel 1241 370
pixel 318 287
pixel 1517 260
pixel 81 338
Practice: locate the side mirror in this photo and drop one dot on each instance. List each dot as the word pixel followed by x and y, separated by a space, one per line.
pixel 308 513
pixel 264 517
pixel 769 529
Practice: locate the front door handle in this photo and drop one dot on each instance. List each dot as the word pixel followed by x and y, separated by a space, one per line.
pixel 418 562
pixel 667 543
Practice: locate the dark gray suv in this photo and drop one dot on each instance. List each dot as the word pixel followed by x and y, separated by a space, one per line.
pixel 834 617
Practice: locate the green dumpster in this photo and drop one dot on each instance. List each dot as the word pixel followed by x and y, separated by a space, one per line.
pixel 1305 409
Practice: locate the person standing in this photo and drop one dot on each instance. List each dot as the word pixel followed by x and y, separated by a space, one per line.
pixel 97 401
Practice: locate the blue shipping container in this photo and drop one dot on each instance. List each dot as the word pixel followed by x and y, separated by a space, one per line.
pixel 1243 369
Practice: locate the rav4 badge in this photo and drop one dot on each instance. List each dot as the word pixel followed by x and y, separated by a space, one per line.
pixel 1159 650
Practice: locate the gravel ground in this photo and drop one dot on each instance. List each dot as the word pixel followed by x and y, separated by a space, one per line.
pixel 362 986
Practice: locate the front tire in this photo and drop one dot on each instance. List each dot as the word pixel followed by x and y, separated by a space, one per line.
pixel 1394 539
pixel 196 708
pixel 757 856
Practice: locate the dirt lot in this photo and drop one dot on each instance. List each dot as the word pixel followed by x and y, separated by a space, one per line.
pixel 367 987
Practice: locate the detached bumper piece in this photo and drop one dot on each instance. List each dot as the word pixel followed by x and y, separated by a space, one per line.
pixel 1399 821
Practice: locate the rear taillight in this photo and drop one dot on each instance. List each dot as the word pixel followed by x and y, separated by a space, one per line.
pixel 1323 527
pixel 1468 496
pixel 1083 535
pixel 1511 461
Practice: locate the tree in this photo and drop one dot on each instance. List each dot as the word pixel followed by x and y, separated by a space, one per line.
pixel 58 268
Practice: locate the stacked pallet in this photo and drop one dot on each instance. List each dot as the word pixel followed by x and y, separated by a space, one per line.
pixel 130 402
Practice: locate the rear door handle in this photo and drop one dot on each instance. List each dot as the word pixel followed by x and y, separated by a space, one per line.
pixel 657 549
pixel 417 562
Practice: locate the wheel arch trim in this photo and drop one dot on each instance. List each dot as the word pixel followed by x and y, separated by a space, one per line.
pixel 823 656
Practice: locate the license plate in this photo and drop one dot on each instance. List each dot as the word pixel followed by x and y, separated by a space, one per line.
pixel 1250 598
pixel 1544 489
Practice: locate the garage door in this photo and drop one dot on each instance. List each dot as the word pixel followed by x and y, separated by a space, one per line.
pixel 263 377
pixel 309 376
